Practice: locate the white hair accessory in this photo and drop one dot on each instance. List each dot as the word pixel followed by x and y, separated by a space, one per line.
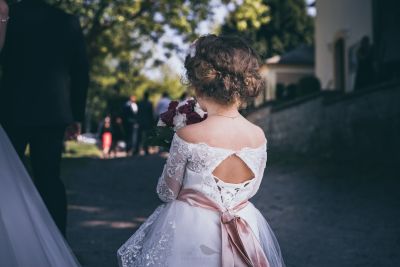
pixel 192 49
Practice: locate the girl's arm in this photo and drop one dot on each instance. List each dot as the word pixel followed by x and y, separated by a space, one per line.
pixel 171 179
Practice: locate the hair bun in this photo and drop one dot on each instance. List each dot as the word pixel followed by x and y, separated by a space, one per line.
pixel 205 71
pixel 224 68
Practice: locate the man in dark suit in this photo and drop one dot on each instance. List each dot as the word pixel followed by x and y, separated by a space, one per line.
pixel 130 113
pixel 146 122
pixel 42 91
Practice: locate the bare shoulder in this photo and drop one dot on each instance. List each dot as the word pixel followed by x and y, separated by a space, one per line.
pixel 191 133
pixel 257 132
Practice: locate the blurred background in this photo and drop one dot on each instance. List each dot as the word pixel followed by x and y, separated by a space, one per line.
pixel 330 109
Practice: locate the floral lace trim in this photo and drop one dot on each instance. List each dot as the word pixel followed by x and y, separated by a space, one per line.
pixel 203 159
pixel 164 192
pixel 131 253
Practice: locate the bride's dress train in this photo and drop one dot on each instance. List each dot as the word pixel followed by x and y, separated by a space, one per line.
pixel 205 222
pixel 28 235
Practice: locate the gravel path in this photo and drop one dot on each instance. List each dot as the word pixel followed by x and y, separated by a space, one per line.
pixel 324 213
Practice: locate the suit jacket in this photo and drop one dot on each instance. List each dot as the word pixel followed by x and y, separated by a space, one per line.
pixel 130 117
pixel 145 114
pixel 44 67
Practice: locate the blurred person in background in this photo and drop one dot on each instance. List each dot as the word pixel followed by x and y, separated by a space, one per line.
pixel 130 118
pixel 43 90
pixel 118 132
pixel 162 104
pixel 106 136
pixel 146 123
pixel 365 65
pixel 32 225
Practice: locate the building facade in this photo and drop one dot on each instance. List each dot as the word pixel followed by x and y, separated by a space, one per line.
pixel 339 27
pixel 285 70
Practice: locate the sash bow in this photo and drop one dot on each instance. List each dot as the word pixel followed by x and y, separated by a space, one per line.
pixel 240 247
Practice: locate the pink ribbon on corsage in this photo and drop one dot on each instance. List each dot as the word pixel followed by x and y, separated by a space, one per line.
pixel 240 246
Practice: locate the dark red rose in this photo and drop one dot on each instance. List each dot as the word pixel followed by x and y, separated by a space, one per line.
pixel 172 105
pixel 192 102
pixel 185 109
pixel 193 118
pixel 168 117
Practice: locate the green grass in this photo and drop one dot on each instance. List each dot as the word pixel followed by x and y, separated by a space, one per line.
pixel 81 150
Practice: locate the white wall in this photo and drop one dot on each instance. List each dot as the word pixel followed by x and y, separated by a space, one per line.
pixel 351 19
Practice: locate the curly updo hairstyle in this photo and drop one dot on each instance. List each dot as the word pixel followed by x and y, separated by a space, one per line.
pixel 223 68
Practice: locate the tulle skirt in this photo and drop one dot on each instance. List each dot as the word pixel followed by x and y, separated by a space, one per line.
pixel 28 235
pixel 180 235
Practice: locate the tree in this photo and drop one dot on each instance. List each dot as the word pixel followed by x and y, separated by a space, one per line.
pixel 289 26
pixel 121 36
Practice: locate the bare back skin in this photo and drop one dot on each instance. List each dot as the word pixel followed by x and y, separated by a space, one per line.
pixel 231 134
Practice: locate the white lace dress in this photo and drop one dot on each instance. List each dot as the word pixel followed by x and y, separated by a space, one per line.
pixel 28 234
pixel 178 234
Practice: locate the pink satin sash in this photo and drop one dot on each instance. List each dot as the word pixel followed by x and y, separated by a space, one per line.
pixel 240 247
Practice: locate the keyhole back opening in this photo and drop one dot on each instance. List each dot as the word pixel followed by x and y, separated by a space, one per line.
pixel 233 170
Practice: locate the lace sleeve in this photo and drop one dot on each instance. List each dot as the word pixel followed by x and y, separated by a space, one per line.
pixel 261 167
pixel 170 181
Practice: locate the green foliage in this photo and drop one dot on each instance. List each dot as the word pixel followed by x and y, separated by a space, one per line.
pixel 250 15
pixel 125 29
pixel 121 35
pixel 75 149
pixel 161 136
pixel 286 27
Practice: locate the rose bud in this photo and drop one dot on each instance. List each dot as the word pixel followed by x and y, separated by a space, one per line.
pixel 193 118
pixel 185 109
pixel 172 105
pixel 168 117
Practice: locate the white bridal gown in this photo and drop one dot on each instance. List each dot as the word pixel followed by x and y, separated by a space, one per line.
pixel 28 235
pixel 182 232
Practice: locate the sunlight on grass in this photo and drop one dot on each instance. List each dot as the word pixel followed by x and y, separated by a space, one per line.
pixel 80 150
pixel 109 224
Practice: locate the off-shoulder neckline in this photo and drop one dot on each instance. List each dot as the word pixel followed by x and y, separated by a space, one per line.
pixel 262 146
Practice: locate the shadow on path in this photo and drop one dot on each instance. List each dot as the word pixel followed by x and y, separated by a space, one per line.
pixel 324 213
pixel 108 200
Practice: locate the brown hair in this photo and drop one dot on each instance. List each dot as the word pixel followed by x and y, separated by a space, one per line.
pixel 224 68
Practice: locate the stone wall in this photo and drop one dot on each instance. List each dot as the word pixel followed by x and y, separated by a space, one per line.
pixel 360 125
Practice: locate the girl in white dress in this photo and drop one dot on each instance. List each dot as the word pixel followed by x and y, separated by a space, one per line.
pixel 28 234
pixel 213 169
